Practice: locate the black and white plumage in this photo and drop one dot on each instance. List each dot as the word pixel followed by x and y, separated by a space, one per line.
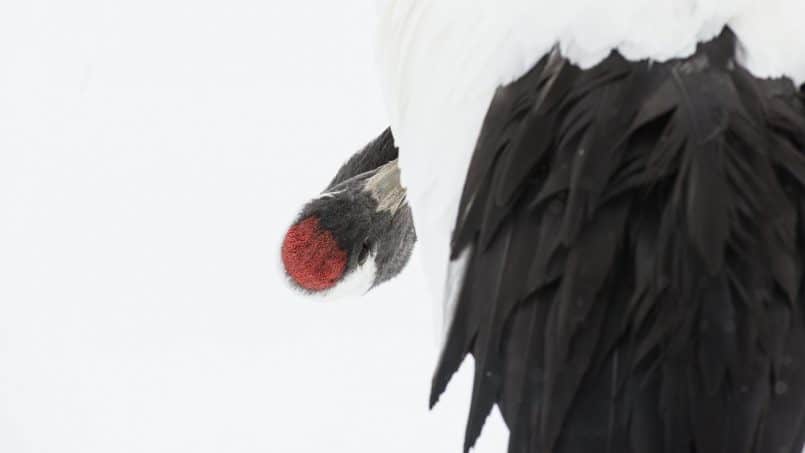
pixel 358 233
pixel 637 235
pixel 626 255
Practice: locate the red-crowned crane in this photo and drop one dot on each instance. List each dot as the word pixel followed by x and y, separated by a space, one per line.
pixel 611 195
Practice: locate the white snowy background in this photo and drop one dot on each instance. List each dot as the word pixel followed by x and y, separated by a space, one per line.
pixel 152 154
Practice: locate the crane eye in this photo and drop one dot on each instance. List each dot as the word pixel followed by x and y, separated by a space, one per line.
pixel 365 249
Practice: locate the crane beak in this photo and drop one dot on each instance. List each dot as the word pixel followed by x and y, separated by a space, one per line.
pixel 385 187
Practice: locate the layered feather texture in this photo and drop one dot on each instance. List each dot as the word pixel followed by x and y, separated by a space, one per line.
pixel 441 62
pixel 634 236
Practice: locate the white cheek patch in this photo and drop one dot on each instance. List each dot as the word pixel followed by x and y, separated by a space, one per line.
pixel 355 284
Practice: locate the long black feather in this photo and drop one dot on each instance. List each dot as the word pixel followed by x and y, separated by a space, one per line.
pixel 636 235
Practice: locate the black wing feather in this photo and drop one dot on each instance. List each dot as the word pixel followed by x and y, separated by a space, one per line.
pixel 636 234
